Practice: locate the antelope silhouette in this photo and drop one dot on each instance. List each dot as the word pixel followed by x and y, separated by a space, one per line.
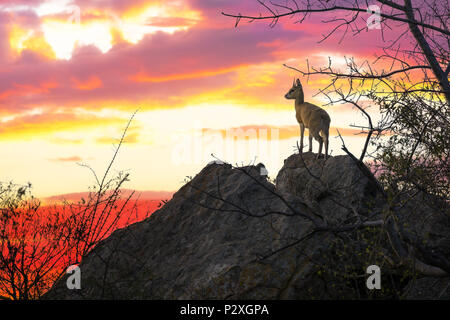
pixel 310 116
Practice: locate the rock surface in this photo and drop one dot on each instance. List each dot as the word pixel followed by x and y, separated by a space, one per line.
pixel 227 234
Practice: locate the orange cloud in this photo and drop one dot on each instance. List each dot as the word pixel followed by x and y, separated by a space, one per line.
pixel 144 77
pixel 67 159
pixel 25 89
pixel 21 39
pixel 91 84
pixel 39 45
pixel 171 22
pixel 33 126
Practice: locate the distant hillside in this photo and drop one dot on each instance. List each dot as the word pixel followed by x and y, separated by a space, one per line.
pixel 141 195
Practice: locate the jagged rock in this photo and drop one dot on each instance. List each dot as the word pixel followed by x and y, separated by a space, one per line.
pixel 227 234
pixel 330 186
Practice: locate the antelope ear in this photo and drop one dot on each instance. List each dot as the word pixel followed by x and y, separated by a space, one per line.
pixel 298 83
pixel 293 83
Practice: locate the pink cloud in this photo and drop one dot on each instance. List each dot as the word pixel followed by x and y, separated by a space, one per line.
pixel 166 69
pixel 170 57
pixel 89 84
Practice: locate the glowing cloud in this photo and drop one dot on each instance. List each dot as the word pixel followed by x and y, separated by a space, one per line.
pixel 66 26
pixel 91 84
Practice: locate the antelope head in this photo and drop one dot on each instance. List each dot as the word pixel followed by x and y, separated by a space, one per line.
pixel 295 91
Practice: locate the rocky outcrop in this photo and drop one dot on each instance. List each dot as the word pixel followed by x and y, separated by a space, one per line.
pixel 324 184
pixel 229 233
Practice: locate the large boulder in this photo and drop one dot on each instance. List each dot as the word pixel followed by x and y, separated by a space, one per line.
pixel 229 233
pixel 332 186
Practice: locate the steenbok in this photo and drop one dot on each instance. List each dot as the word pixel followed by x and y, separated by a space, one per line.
pixel 310 116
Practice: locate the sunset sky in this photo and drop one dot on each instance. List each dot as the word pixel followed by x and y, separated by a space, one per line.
pixel 68 88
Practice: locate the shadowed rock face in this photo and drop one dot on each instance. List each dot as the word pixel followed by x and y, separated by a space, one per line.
pixel 228 235
pixel 323 184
